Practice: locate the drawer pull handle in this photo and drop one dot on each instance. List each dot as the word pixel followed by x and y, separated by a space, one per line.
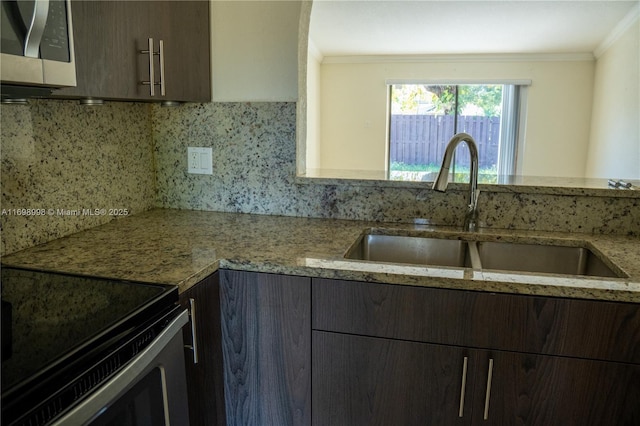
pixel 488 394
pixel 464 385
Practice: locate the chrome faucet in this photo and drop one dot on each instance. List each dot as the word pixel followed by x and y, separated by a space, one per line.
pixel 440 184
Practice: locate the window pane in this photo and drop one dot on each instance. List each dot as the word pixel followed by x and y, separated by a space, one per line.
pixel 479 113
pixel 421 123
pixel 424 117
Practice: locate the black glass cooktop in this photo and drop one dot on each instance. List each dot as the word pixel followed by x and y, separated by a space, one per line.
pixel 48 316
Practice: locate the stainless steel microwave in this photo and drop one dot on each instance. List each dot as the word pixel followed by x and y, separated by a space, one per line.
pixel 37 44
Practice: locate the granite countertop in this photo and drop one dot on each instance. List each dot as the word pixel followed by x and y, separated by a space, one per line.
pixel 182 247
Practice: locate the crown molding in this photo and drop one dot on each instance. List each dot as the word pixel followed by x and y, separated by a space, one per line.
pixel 629 19
pixel 506 57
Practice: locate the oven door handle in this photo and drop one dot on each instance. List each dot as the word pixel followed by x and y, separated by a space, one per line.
pixel 98 401
pixel 193 347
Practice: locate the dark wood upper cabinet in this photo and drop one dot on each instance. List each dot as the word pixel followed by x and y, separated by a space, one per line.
pixel 111 35
pixel 185 32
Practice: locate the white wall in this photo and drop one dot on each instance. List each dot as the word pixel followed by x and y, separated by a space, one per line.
pixel 354 109
pixel 254 50
pixel 614 148
pixel 313 135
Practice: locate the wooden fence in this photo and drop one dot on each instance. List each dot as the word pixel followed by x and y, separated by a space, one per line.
pixel 422 139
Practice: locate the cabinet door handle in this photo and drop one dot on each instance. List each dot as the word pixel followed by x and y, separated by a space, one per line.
pixel 488 393
pixel 152 74
pixel 162 90
pixel 464 385
pixel 194 338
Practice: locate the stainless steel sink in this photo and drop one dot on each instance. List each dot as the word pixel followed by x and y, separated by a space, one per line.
pixel 551 259
pixel 411 250
pixel 451 251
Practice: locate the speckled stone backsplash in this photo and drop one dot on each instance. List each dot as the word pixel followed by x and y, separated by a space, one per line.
pixel 71 161
pixel 70 165
pixel 254 172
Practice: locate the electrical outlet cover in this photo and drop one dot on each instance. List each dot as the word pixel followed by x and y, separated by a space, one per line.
pixel 200 160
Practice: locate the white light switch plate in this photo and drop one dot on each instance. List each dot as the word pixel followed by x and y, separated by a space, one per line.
pixel 200 160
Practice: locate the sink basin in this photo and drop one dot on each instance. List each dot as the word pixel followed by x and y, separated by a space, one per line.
pixel 411 250
pixel 387 247
pixel 551 259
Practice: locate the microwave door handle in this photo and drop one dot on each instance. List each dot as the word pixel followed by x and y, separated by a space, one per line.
pixel 35 29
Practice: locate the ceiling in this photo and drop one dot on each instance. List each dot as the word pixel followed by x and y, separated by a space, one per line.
pixel 421 27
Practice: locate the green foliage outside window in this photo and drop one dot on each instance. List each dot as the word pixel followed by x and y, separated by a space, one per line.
pixel 441 99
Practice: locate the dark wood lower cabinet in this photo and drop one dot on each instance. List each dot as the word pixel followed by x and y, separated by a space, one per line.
pixel 204 378
pixel 360 380
pixel 394 355
pixel 575 328
pixel 266 340
pixel 547 390
pixel 272 347
pixel 370 381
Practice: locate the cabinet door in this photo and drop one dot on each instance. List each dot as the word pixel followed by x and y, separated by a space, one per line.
pixel 549 390
pixel 183 26
pixel 266 332
pixel 360 380
pixel 204 378
pixel 110 35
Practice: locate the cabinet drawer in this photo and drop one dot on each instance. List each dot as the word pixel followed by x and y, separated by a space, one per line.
pixel 536 324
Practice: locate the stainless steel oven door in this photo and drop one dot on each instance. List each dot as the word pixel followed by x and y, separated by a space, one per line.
pixel 150 390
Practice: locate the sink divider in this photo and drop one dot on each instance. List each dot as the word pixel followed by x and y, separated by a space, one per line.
pixel 476 263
